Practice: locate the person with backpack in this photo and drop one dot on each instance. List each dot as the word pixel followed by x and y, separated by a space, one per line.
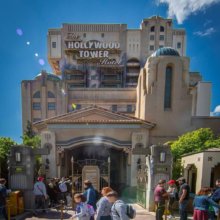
pixel 104 206
pixel 173 196
pixel 3 196
pixel 160 197
pixel 90 194
pixel 84 211
pixel 120 210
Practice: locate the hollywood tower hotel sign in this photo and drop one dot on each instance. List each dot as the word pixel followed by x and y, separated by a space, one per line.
pixel 93 51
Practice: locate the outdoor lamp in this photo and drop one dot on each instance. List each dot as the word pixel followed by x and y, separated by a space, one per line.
pixel 18 157
pixel 72 159
pixel 109 160
pixel 162 157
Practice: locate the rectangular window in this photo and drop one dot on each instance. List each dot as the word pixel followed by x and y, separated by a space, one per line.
pixel 36 119
pixel 178 45
pixel 103 35
pixel 161 37
pixel 151 37
pixel 84 35
pixel 51 106
pixel 54 44
pixel 114 108
pixel 151 47
pixel 36 106
pixel 161 46
pixel 129 108
pixel 78 106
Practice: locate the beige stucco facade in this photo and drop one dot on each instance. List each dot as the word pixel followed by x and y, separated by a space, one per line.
pixel 202 169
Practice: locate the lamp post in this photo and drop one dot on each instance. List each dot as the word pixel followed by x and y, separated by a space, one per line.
pixel 72 169
pixel 162 157
pixel 109 167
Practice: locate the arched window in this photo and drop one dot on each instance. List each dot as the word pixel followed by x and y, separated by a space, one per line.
pixel 161 29
pixel 152 29
pixel 36 95
pixel 168 88
pixel 50 94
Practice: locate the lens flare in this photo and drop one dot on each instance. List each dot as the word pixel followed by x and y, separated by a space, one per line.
pixel 41 62
pixel 28 43
pixel 36 54
pixel 63 91
pixel 19 32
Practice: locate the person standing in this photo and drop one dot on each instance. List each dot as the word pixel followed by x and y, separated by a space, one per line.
pixel 63 189
pixel 216 196
pixel 160 197
pixel 104 206
pixel 40 194
pixel 183 197
pixel 172 192
pixel 90 194
pixel 119 208
pixel 201 204
pixel 3 196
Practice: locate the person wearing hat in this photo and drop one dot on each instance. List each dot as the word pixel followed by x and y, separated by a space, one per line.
pixel 183 197
pixel 160 196
pixel 172 192
pixel 40 194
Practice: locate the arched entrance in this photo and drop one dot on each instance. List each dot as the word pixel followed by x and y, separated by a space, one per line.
pixel 103 164
pixel 215 174
pixel 192 176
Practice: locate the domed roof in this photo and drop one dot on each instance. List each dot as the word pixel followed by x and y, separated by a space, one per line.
pixel 165 51
pixel 50 76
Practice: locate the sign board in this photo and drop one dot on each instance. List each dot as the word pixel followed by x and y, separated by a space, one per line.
pixel 92 173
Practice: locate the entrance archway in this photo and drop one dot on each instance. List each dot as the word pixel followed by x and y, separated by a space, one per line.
pixel 111 163
pixel 215 174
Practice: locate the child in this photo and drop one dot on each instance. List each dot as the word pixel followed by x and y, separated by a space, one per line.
pixel 83 210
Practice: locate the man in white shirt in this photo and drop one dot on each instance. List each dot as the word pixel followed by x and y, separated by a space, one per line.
pixel 63 189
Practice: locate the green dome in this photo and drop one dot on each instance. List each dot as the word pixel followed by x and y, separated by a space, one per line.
pixel 50 76
pixel 165 51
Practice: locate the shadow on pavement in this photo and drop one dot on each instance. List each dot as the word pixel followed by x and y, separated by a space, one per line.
pixel 49 215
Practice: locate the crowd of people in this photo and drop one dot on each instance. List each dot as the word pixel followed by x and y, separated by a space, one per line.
pixel 108 206
pixel 89 204
pixel 205 202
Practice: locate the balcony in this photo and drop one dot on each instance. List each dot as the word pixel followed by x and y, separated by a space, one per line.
pixel 132 74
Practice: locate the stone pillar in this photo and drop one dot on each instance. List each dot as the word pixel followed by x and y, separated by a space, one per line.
pixel 159 165
pixel 48 140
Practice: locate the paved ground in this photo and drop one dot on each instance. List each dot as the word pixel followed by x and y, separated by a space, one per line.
pixel 142 214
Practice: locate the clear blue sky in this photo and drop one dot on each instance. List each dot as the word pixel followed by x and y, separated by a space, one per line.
pixel 18 60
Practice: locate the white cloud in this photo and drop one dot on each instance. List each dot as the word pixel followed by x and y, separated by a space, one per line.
pixel 217 108
pixel 181 9
pixel 206 32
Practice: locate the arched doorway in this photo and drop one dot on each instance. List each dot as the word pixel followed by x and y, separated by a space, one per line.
pixel 192 177
pixel 215 174
pixel 105 164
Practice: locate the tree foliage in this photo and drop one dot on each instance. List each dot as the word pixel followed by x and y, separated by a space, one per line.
pixel 30 138
pixel 5 145
pixel 192 142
